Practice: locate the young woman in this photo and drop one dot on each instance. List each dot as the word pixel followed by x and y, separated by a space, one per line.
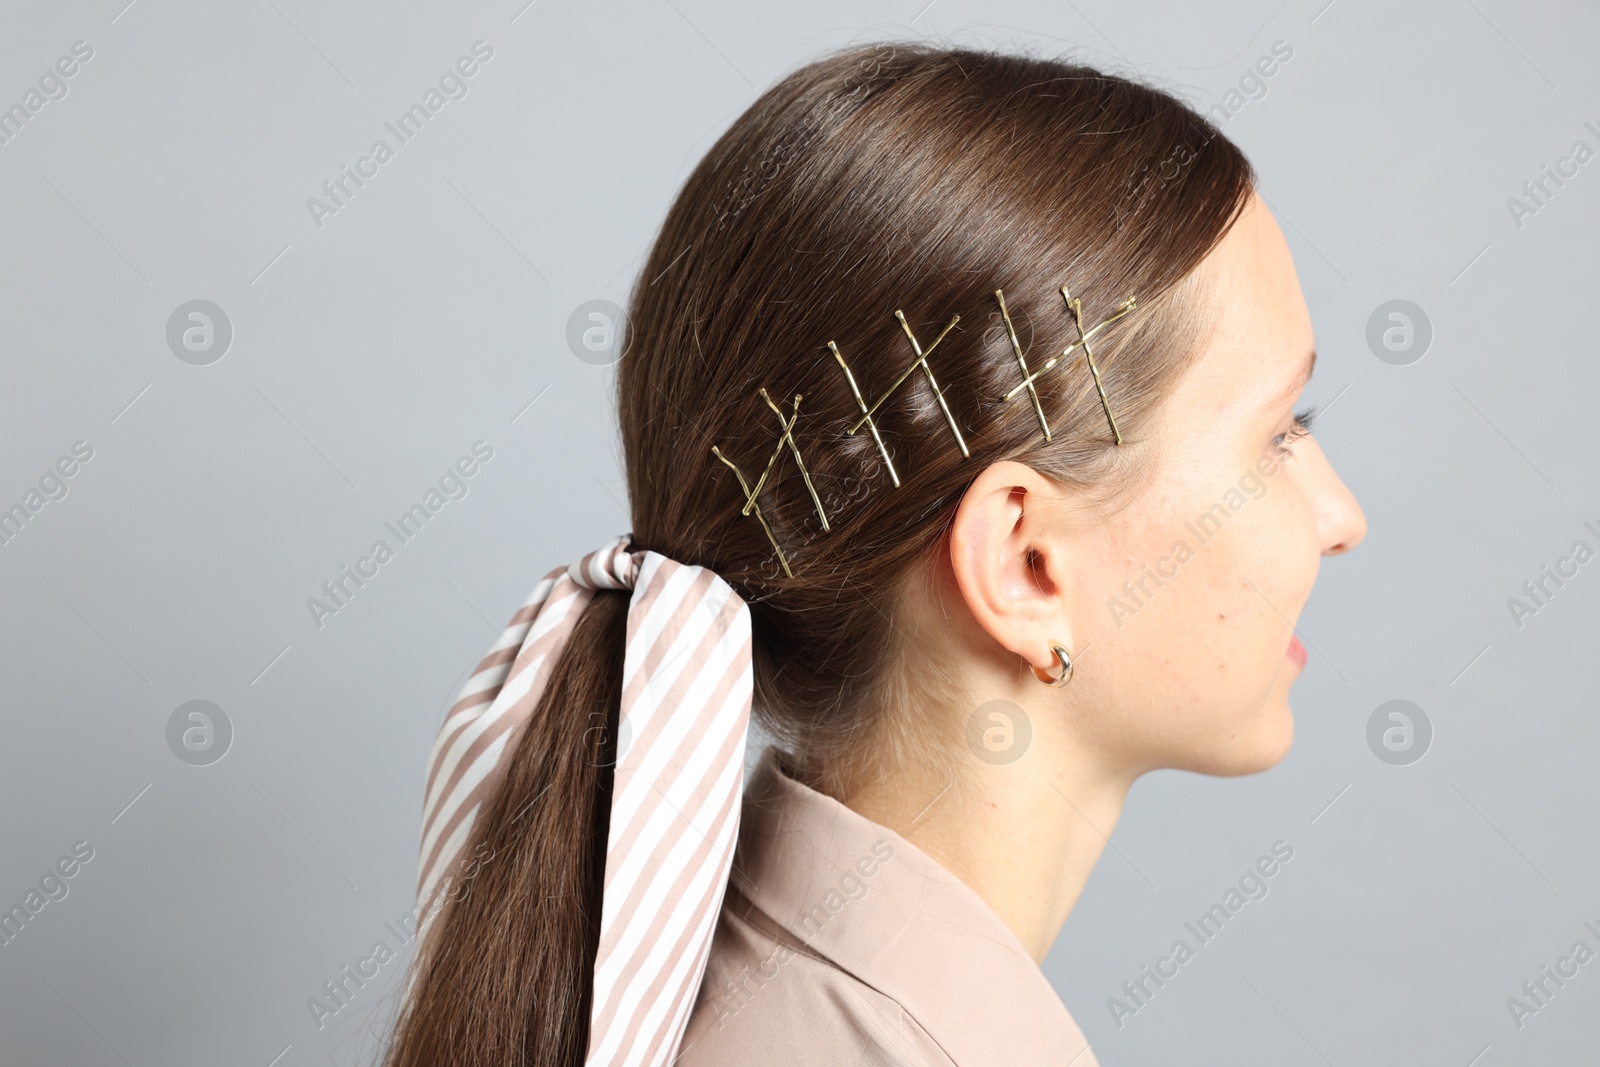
pixel 958 414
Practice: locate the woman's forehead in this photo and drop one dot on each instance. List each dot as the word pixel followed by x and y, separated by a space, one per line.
pixel 1261 332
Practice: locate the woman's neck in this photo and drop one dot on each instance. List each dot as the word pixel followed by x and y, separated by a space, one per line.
pixel 1024 836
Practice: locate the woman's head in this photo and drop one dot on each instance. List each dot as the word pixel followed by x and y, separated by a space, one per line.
pixel 905 178
pixel 912 179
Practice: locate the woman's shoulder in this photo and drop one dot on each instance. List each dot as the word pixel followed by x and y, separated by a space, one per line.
pixel 766 999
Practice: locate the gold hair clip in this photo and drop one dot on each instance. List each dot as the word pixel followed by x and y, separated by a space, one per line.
pixel 750 495
pixel 787 422
pixel 1074 305
pixel 933 383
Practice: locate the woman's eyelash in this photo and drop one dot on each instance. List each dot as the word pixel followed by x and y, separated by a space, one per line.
pixel 1301 427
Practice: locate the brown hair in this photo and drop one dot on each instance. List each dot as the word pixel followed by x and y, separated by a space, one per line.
pixel 883 177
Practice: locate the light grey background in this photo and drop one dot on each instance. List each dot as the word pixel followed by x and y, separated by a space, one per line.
pixel 431 312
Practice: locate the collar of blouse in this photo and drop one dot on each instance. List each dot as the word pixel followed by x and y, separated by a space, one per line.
pixel 884 911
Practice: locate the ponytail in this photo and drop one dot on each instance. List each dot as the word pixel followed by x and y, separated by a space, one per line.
pixel 503 975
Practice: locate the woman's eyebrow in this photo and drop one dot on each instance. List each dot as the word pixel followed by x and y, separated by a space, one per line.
pixel 1298 383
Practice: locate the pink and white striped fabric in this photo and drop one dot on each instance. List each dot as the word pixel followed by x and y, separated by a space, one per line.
pixel 686 691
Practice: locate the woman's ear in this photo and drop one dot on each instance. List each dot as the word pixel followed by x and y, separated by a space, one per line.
pixel 1008 552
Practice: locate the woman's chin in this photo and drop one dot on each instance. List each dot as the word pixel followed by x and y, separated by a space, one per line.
pixel 1257 746
pixel 1274 738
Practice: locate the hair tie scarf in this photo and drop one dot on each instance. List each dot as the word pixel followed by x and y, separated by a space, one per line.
pixel 686 690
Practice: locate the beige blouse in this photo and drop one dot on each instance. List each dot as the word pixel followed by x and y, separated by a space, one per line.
pixel 841 943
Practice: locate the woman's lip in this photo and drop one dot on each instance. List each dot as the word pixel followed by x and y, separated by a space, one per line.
pixel 1296 652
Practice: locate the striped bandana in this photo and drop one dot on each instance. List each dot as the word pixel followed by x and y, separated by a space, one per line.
pixel 686 691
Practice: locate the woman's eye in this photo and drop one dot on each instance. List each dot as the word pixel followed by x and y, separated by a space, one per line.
pixel 1301 427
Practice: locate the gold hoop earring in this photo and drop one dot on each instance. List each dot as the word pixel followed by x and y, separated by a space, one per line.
pixel 1066 667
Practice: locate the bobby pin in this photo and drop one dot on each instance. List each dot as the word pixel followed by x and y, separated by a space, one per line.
pixel 751 506
pixel 933 383
pixel 1074 305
